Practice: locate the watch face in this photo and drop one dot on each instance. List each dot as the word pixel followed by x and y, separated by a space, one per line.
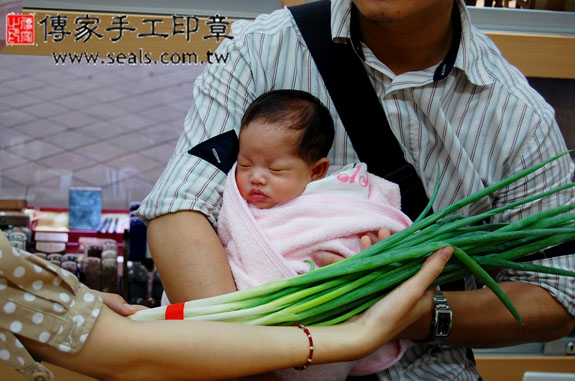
pixel 443 323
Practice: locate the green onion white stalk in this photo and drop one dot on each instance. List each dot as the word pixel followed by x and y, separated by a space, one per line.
pixel 334 293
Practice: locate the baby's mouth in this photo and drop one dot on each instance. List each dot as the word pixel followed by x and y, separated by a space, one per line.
pixel 257 195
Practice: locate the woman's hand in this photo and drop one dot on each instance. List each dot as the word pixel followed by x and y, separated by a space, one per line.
pixel 405 304
pixel 117 304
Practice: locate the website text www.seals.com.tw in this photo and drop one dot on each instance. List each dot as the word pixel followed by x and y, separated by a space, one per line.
pixel 140 57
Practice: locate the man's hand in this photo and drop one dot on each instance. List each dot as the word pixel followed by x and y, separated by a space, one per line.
pixel 117 304
pixel 324 258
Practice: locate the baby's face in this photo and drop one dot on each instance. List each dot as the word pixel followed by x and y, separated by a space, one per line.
pixel 268 171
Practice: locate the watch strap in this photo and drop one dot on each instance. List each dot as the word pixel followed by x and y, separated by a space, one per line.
pixel 441 320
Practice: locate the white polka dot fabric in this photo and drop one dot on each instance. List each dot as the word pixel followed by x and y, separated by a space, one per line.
pixel 43 303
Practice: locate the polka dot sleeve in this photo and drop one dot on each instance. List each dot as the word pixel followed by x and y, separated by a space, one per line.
pixel 42 302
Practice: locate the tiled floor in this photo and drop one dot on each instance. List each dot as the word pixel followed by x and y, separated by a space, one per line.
pixel 112 127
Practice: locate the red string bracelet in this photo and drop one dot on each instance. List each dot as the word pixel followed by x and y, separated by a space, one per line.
pixel 310 356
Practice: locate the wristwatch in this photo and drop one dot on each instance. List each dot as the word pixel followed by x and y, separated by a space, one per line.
pixel 441 319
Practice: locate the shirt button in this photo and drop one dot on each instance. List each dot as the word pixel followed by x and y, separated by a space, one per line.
pixel 40 376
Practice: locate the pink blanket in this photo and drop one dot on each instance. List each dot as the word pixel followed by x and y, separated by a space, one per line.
pixel 332 214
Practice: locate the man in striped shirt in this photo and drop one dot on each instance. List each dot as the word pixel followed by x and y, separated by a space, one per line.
pixel 471 112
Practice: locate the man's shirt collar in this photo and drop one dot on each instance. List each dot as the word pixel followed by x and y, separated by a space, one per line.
pixel 461 55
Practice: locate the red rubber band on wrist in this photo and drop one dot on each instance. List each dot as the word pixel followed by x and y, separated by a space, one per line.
pixel 311 348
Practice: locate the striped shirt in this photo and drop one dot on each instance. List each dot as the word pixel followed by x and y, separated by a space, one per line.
pixel 481 124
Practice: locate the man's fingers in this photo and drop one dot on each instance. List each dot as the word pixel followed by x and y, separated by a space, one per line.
pixel 324 258
pixel 372 238
pixel 383 233
pixel 365 242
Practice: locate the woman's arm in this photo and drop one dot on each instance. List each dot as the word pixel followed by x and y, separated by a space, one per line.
pixel 119 348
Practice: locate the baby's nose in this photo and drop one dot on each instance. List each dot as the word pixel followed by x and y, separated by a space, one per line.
pixel 258 177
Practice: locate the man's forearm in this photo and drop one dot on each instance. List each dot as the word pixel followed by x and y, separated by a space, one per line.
pixel 189 255
pixel 481 321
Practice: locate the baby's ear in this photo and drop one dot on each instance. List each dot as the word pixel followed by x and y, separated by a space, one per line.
pixel 319 169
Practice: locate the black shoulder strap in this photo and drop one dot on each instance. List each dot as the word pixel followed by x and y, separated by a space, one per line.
pixel 360 110
pixel 358 105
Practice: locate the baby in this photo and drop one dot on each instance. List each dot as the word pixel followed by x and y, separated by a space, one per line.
pixel 280 205
pixel 285 137
pixel 280 188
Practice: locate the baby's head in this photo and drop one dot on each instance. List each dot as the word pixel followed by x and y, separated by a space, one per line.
pixel 285 137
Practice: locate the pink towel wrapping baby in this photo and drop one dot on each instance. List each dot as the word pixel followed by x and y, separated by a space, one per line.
pixel 331 215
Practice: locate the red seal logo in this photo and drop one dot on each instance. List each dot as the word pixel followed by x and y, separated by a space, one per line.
pixel 19 29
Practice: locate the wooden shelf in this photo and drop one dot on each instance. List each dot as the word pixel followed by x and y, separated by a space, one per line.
pixel 544 56
pixel 512 368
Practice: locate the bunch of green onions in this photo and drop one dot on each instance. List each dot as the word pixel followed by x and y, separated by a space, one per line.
pixel 335 293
